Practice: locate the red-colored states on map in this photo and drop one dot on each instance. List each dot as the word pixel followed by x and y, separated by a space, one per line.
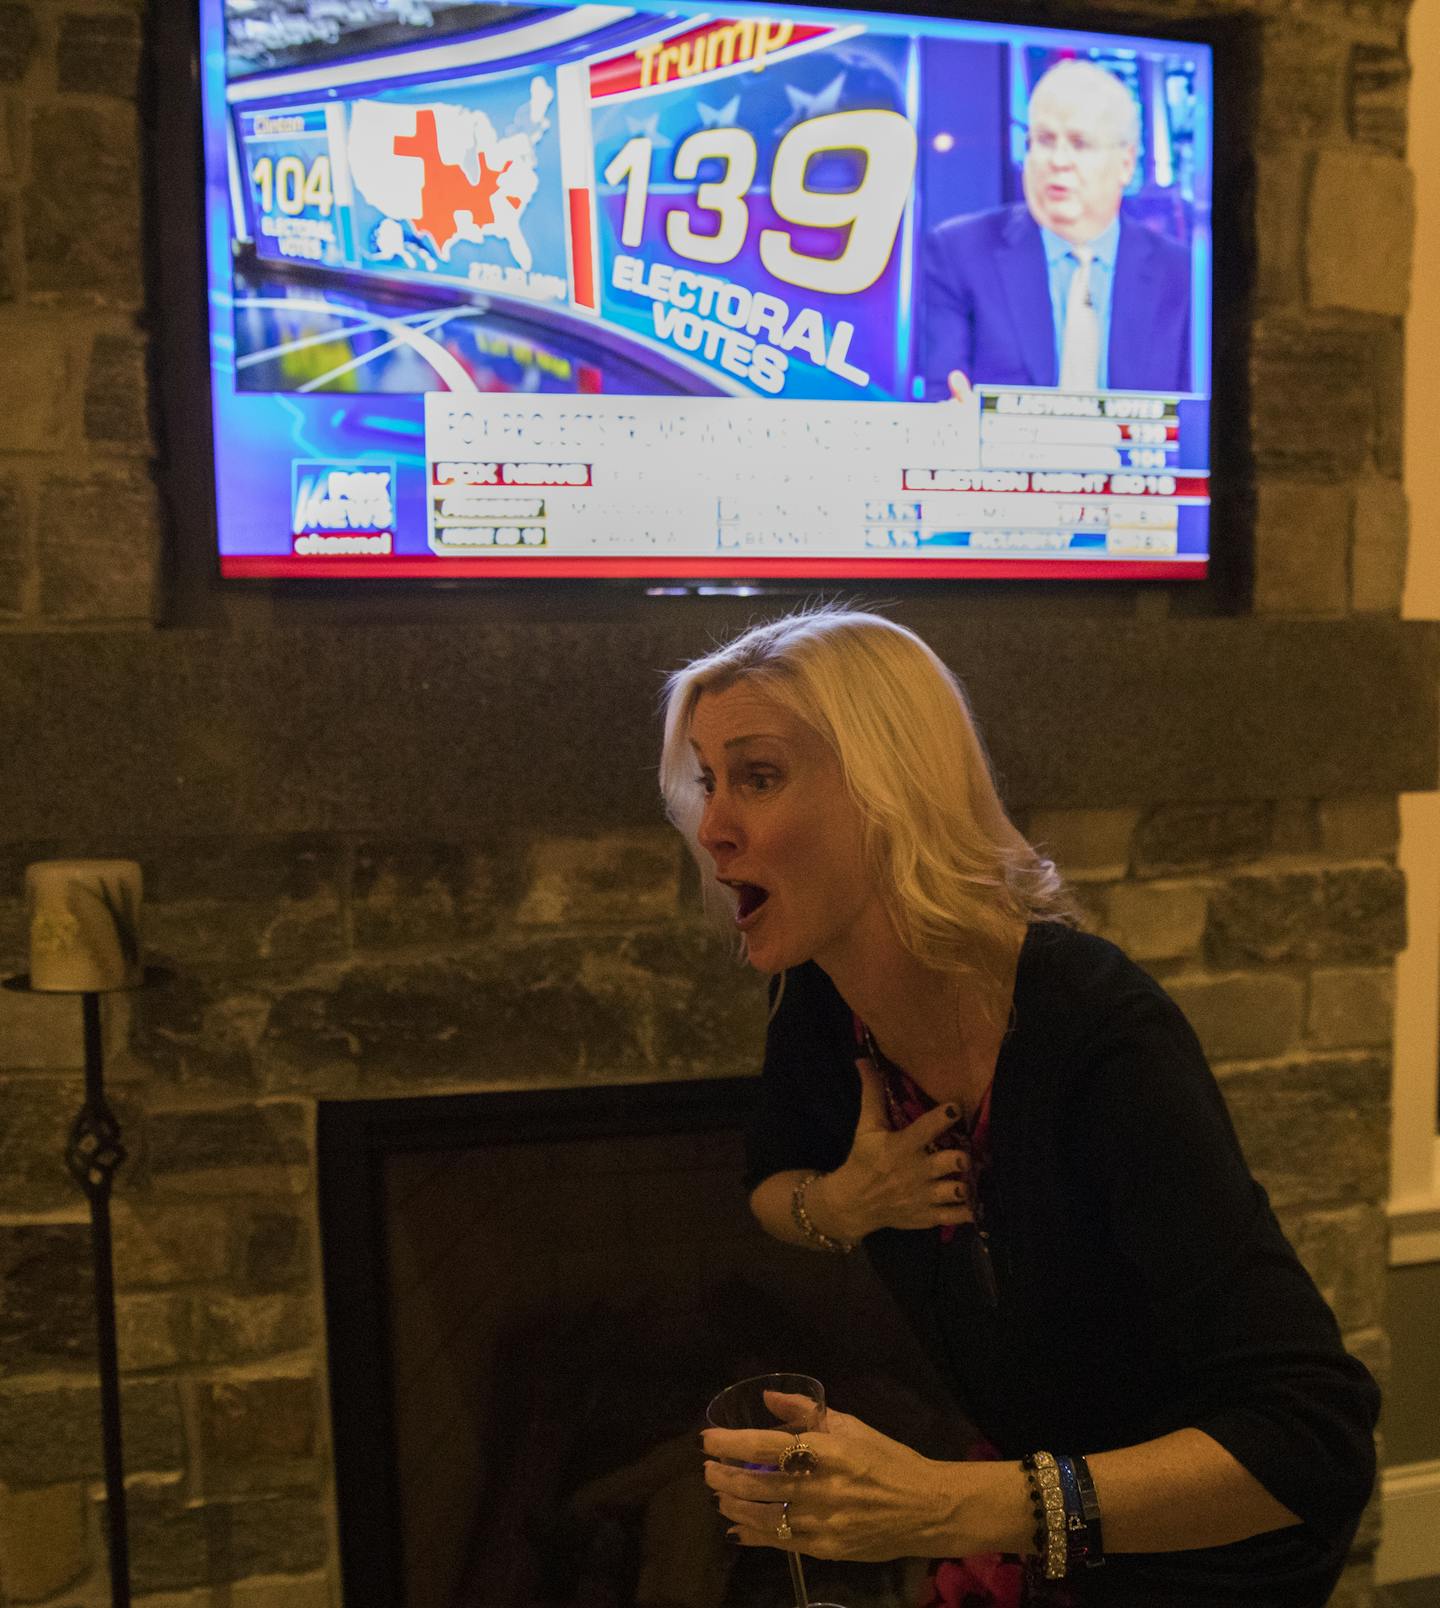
pixel 448 189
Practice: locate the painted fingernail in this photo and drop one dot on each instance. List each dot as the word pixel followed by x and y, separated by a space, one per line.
pixel 959 1192
pixel 733 1537
pixel 952 1112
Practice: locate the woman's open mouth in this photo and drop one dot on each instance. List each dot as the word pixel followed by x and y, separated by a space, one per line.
pixel 749 898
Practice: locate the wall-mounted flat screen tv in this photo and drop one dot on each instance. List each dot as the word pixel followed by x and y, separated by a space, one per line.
pixel 663 291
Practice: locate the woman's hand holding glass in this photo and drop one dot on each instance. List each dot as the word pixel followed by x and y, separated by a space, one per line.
pixel 892 1178
pixel 869 1499
pixel 796 1401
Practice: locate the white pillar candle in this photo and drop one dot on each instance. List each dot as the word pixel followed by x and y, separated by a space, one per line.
pixel 84 922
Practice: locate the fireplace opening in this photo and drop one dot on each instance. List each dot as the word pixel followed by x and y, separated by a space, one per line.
pixel 531 1296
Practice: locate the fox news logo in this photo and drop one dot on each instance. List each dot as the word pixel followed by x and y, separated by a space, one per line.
pixel 343 505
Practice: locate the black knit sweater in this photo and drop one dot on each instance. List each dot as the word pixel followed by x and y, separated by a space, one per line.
pixel 1145 1285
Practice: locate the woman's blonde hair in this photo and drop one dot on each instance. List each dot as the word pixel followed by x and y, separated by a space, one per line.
pixel 954 872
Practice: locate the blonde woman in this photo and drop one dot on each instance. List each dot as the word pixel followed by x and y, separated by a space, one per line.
pixel 1021 1128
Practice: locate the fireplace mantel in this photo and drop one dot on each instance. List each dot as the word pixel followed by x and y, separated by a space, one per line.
pixel 424 728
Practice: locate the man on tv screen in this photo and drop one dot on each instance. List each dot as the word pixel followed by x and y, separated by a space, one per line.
pixel 1064 291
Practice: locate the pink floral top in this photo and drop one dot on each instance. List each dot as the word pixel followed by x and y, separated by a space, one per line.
pixel 991 1579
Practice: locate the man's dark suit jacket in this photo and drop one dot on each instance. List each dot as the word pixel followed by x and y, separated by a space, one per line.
pixel 987 308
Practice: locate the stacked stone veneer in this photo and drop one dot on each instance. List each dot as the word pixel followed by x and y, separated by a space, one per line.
pixel 348 966
pixel 349 969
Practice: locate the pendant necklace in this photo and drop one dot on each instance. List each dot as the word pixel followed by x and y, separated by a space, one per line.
pixel 970 1241
pixel 886 1068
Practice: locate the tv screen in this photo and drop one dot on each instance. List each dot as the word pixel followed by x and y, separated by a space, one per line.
pixel 659 291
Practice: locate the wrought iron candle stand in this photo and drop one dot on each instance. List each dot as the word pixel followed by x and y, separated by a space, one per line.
pixel 93 1155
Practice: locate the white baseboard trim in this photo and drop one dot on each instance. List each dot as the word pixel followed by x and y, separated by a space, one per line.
pixel 1410 1523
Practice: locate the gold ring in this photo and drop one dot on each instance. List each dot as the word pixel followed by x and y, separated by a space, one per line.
pixel 783 1530
pixel 799 1458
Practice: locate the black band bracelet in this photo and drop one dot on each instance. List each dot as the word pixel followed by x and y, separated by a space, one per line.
pixel 1090 1509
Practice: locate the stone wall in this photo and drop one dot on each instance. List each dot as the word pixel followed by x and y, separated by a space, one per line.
pixel 78 503
pixel 349 962
pixel 344 968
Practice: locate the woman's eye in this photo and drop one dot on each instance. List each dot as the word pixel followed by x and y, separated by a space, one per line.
pixel 706 784
pixel 762 781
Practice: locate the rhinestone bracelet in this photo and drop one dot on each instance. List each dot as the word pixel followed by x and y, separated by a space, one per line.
pixel 1046 1497
pixel 813 1236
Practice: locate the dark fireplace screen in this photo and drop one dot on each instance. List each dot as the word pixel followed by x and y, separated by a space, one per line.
pixel 531 1296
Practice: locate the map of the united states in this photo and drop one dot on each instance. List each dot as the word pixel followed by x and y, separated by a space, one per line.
pixel 445 171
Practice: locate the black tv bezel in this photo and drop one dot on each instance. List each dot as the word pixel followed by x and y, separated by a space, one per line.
pixel 194 590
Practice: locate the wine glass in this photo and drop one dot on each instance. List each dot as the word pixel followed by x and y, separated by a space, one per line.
pixel 744 1406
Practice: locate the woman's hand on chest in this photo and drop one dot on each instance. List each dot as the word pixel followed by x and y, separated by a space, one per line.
pixel 894 1178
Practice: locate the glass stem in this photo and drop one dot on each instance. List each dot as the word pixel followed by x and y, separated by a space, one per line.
pixel 797 1579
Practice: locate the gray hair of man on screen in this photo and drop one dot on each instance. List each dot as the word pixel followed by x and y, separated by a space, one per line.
pixel 1071 82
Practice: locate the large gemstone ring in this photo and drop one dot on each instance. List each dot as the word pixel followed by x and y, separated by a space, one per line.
pixel 798 1458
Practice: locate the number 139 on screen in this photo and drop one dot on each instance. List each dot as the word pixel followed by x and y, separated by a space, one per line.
pixel 870 212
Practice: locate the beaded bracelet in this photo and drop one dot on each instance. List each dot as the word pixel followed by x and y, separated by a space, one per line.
pixel 1047 1498
pixel 813 1236
pixel 1037 1540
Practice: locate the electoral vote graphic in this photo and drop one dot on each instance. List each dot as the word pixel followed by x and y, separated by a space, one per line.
pixel 712 207
pixel 458 190
pixel 754 184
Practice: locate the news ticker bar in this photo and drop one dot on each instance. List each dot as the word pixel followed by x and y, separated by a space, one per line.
pixel 604 475
pixel 467 518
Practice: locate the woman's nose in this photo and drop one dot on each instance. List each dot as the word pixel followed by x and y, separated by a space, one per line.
pixel 717 832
